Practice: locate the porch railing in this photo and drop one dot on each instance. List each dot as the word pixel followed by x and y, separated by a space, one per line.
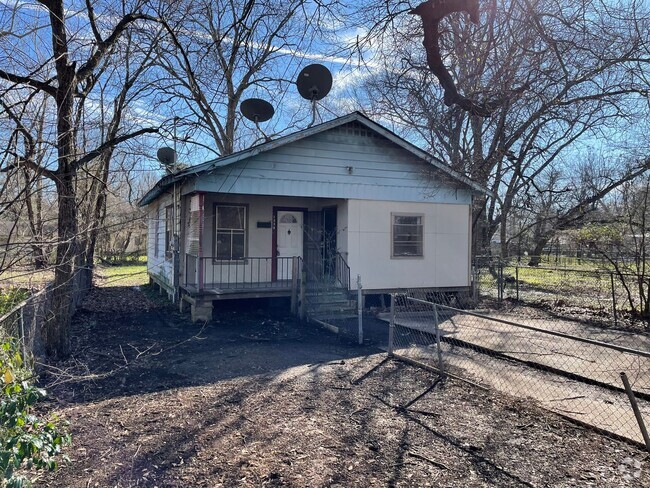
pixel 245 273
pixel 342 271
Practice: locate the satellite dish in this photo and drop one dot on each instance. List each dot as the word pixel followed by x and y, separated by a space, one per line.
pixel 314 82
pixel 257 110
pixel 167 156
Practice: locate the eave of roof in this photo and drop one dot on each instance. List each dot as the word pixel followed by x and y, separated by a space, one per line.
pixel 167 181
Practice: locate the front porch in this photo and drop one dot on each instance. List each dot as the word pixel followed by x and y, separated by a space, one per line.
pixel 253 246
pixel 207 279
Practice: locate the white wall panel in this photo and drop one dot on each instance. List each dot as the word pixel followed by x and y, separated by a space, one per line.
pixel 445 262
pixel 158 265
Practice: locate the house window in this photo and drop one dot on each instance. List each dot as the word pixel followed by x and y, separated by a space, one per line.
pixel 156 235
pixel 230 241
pixel 408 236
pixel 169 231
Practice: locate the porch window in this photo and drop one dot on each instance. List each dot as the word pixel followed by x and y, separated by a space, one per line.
pixel 230 239
pixel 169 231
pixel 408 236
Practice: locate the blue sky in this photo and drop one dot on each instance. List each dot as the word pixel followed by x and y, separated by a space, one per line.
pixel 347 71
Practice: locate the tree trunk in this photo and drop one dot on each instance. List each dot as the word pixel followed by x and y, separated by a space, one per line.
pixel 503 237
pixel 57 334
pixel 34 220
pixel 536 255
pixel 57 329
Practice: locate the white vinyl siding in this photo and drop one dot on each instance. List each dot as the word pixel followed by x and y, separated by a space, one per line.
pixel 169 231
pixel 156 239
pixel 338 164
pixel 158 264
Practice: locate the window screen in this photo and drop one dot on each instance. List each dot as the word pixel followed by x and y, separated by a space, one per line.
pixel 230 241
pixel 408 236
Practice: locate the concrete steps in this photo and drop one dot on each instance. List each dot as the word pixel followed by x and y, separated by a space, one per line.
pixel 330 304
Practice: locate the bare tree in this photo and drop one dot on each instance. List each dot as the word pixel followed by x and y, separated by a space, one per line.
pixel 432 12
pixel 66 68
pixel 563 73
pixel 23 190
pixel 225 49
pixel 621 238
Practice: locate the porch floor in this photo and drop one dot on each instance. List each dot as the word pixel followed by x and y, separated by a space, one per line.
pixel 228 290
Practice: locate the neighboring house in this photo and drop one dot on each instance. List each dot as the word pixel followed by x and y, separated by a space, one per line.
pixel 345 198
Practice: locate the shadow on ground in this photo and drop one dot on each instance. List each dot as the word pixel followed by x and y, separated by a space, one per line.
pixel 255 398
pixel 129 342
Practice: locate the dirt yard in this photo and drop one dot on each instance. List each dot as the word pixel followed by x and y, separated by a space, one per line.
pixel 257 399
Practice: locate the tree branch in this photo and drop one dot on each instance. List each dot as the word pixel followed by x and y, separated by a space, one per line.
pixel 431 13
pixel 112 143
pixel 26 80
pixel 86 69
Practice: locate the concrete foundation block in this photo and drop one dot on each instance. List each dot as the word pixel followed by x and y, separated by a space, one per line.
pixel 202 311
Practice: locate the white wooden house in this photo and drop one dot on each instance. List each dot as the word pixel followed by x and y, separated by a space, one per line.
pixel 344 198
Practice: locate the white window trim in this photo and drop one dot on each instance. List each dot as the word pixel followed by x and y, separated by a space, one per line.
pixel 215 259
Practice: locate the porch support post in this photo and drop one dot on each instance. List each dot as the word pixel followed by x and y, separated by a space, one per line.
pixel 295 270
pixel 200 262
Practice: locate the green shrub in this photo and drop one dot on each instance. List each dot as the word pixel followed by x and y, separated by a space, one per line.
pixel 26 441
pixel 11 297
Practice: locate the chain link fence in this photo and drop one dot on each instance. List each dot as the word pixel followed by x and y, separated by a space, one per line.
pixel 25 320
pixel 592 294
pixel 574 376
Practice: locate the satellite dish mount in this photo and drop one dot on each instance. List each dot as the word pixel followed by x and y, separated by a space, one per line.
pixel 257 110
pixel 314 83
pixel 168 158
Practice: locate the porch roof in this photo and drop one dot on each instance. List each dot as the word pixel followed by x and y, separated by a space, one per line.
pixel 167 181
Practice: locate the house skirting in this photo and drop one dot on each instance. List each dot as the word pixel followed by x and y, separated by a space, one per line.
pixel 163 287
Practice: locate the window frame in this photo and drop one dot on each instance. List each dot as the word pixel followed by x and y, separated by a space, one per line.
pixel 392 235
pixel 215 230
pixel 169 232
pixel 156 235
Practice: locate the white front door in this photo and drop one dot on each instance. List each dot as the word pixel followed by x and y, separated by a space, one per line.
pixel 289 241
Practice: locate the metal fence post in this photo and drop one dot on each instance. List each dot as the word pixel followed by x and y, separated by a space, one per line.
pixel 635 408
pixel 360 308
pixel 436 320
pixel 303 304
pixel 475 291
pixel 611 276
pixel 391 327
pixel 517 280
pixel 500 283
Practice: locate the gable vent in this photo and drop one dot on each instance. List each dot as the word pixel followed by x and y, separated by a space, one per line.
pixel 355 129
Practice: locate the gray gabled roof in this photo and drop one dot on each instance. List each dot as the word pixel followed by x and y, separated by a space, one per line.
pixel 167 181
